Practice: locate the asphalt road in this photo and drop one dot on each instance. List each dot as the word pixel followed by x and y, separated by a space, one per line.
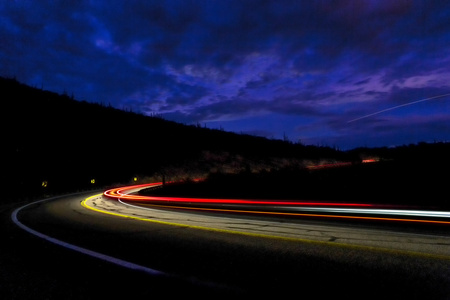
pixel 182 253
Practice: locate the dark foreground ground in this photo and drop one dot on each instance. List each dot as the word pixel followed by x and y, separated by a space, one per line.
pixel 252 267
pixel 32 268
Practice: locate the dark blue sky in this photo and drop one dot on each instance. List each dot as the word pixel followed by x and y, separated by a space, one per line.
pixel 303 69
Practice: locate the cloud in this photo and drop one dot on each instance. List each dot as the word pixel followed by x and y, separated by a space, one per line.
pixel 201 60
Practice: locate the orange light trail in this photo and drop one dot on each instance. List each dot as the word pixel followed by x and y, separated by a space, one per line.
pixel 329 209
pixel 295 214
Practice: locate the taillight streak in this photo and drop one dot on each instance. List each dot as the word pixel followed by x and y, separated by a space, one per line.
pixel 124 194
pixel 286 208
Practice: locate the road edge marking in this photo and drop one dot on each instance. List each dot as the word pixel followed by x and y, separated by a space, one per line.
pixel 107 258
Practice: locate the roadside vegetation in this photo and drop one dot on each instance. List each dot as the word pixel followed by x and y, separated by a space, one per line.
pixel 412 176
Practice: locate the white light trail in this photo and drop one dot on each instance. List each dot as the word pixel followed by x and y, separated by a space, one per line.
pixel 398 212
pixel 398 106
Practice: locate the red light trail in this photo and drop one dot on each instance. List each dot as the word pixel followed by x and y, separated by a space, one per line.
pixel 123 193
pixel 352 211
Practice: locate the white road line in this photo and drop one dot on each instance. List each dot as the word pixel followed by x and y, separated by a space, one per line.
pixel 107 258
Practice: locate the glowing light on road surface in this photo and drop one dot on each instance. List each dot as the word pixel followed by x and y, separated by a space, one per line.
pixel 371 160
pixel 326 166
pixel 281 208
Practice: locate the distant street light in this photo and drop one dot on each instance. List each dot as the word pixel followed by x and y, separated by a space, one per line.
pixel 92 181
pixel 44 183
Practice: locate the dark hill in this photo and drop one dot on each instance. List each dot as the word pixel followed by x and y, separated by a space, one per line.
pixel 52 139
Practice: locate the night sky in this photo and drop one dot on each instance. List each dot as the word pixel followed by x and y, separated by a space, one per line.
pixel 317 72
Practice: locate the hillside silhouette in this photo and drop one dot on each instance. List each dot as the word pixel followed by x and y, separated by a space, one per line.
pixel 53 144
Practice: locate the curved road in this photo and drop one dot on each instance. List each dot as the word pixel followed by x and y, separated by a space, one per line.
pixel 200 253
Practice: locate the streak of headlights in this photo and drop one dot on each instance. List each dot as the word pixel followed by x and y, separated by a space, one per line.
pixel 361 211
pixel 397 212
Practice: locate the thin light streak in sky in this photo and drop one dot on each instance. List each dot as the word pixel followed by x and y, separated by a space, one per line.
pixel 398 106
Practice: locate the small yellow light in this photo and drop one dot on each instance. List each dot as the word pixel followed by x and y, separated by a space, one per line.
pixel 44 183
pixel 135 179
pixel 92 181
